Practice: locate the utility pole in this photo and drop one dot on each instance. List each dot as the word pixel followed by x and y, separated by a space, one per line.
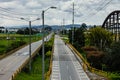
pixel 63 25
pixel 61 28
pixel 43 55
pixel 73 24
pixel 30 45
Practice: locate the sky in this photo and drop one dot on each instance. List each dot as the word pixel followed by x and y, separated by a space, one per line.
pixel 91 12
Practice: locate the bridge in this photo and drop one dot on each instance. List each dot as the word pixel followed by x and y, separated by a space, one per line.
pixel 112 23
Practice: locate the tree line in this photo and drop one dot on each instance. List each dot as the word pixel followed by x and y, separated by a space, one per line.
pixel 97 46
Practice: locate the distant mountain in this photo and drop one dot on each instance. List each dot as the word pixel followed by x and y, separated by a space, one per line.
pixel 65 26
pixel 55 27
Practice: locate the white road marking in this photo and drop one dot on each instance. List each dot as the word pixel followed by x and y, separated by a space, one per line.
pixel 70 77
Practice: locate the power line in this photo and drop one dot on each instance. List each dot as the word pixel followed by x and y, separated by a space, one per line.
pixel 14 12
pixel 99 9
pixel 10 14
pixel 102 1
pixel 9 18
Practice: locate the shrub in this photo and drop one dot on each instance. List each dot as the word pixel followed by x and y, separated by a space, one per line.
pixel 94 56
pixel 90 48
pixel 48 54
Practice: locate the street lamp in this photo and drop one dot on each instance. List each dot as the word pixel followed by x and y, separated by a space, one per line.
pixel 30 39
pixel 43 55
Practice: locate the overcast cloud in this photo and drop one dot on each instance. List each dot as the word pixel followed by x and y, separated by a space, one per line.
pixel 91 12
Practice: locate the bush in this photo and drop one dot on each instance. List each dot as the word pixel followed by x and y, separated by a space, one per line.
pixel 114 57
pixel 94 56
pixel 14 45
pixel 48 54
pixel 90 48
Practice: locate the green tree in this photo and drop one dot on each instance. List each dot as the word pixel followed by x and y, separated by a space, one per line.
pixel 113 57
pixel 100 37
pixel 20 31
pixel 70 36
pixel 79 38
pixel 83 26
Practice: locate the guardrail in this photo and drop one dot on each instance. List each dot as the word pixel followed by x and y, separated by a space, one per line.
pixel 86 65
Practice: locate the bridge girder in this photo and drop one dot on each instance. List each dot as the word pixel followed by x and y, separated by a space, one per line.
pixel 112 23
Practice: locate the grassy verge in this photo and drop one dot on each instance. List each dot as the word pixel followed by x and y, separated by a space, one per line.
pixel 36 73
pixel 65 38
pixel 15 41
pixel 109 75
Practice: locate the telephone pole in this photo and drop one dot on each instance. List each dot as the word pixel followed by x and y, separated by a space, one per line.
pixel 63 26
pixel 73 24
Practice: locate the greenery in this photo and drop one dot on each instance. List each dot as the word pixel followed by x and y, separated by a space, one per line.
pixel 99 37
pixel 26 31
pixel 36 73
pixel 79 37
pixel 112 57
pixel 14 41
pixel 98 47
pixel 94 56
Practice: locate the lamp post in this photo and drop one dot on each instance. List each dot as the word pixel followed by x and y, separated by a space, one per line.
pixel 43 50
pixel 30 40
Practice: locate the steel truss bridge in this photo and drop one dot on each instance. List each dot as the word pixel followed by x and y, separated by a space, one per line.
pixel 112 23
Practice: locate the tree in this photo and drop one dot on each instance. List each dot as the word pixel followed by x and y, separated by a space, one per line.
pixel 26 31
pixel 79 38
pixel 113 57
pixel 70 36
pixel 20 31
pixel 83 26
pixel 100 37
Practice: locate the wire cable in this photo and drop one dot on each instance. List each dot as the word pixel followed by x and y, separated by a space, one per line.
pixel 99 9
pixel 14 12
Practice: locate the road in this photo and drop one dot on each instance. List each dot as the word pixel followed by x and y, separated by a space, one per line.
pixel 65 65
pixel 11 64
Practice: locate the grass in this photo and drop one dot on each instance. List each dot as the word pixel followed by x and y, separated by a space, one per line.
pixel 36 73
pixel 5 44
pixel 65 38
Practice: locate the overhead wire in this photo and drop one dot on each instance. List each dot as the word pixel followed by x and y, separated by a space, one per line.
pixel 102 2
pixel 14 12
pixel 101 6
pixel 12 16
pixel 98 10
pixel 9 18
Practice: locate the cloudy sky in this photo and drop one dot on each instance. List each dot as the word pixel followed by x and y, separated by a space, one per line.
pixel 91 12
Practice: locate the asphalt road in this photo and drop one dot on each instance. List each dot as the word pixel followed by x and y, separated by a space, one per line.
pixel 11 64
pixel 65 65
